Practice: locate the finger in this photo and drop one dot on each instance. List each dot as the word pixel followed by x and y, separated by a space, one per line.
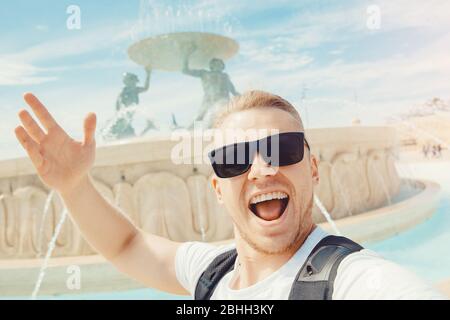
pixel 90 123
pixel 30 146
pixel 40 111
pixel 32 128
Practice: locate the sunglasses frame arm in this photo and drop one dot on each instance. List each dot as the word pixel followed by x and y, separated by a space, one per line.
pixel 307 144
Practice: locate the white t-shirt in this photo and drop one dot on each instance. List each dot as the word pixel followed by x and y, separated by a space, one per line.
pixel 361 275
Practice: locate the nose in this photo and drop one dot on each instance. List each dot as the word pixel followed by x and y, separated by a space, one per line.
pixel 261 169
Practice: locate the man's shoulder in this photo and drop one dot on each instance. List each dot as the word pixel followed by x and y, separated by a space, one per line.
pixel 192 259
pixel 207 248
pixel 202 253
pixel 368 262
pixel 367 275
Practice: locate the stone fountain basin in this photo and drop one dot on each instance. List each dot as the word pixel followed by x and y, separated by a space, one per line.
pixel 387 221
pixel 167 52
pixel 17 277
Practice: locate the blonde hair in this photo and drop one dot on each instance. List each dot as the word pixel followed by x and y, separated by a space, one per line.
pixel 255 99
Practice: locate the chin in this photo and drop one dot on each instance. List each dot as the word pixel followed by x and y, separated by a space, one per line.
pixel 272 244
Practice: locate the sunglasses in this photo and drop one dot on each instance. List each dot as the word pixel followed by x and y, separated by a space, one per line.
pixel 278 150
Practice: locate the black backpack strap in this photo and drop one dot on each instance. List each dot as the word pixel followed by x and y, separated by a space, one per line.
pixel 209 279
pixel 315 280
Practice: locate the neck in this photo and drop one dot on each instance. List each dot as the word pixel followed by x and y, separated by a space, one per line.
pixel 255 266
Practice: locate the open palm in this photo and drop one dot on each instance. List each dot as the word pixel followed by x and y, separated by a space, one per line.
pixel 60 161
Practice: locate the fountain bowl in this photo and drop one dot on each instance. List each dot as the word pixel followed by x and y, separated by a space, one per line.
pixel 167 52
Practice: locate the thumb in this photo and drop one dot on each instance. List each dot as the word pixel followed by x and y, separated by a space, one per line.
pixel 90 123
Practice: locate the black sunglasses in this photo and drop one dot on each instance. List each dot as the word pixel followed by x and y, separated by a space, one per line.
pixel 278 150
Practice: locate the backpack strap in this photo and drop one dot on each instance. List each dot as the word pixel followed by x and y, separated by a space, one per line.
pixel 315 280
pixel 209 279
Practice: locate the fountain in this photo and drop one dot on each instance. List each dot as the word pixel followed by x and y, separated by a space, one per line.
pixel 340 189
pixel 382 183
pixel 189 52
pixel 166 52
pixel 192 53
pixel 51 247
pixel 327 215
pixel 47 205
pixel 176 200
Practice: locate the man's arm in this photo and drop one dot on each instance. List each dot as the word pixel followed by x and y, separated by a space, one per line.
pixel 63 165
pixel 148 258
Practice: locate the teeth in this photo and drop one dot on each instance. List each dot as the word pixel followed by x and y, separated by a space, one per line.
pixel 268 196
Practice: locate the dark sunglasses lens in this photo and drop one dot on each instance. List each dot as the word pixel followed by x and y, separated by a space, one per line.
pixel 282 150
pixel 292 148
pixel 230 170
pixel 231 161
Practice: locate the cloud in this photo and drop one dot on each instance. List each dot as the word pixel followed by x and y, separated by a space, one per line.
pixel 274 56
pixel 21 73
pixel 431 14
pixel 21 67
pixel 385 83
pixel 74 43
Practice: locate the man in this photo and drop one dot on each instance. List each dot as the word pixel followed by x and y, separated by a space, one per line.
pixel 270 205
pixel 217 85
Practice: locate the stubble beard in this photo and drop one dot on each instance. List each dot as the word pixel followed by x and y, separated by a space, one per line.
pixel 304 228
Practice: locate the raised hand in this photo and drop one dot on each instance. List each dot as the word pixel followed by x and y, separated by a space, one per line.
pixel 60 161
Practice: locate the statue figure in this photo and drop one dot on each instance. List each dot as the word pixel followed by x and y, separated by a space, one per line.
pixel 128 98
pixel 217 85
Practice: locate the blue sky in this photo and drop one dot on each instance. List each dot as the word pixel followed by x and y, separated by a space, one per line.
pixel 348 69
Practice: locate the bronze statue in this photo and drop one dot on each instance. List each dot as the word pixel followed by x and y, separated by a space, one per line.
pixel 217 85
pixel 128 98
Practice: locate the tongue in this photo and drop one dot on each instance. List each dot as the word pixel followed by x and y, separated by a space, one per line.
pixel 269 210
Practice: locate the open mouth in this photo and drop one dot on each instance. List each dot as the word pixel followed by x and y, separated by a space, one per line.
pixel 269 206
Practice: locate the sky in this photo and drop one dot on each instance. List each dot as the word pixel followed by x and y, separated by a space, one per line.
pixel 334 60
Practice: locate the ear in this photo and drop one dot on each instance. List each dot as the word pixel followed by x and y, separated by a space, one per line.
pixel 216 186
pixel 314 169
